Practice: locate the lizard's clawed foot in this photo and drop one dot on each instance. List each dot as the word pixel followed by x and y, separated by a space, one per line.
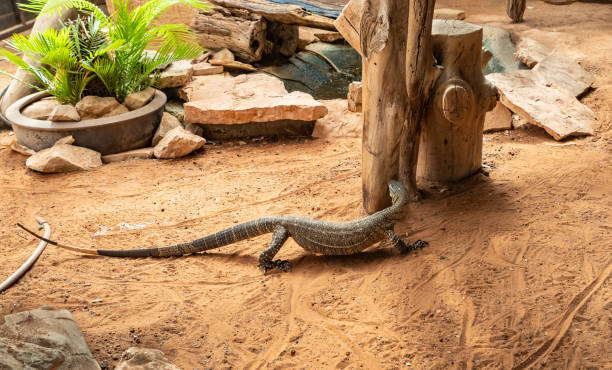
pixel 282 265
pixel 419 244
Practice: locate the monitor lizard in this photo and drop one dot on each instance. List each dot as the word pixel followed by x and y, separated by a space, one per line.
pixel 322 237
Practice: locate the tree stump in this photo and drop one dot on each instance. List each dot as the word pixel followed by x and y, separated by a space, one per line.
pixel 451 137
pixel 515 10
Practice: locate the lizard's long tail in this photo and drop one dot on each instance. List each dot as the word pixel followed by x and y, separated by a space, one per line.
pixel 231 235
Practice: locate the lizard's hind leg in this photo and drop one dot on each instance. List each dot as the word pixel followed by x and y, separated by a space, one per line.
pixel 279 237
pixel 403 247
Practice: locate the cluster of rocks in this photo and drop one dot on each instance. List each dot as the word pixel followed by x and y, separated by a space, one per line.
pixel 90 107
pixel 47 338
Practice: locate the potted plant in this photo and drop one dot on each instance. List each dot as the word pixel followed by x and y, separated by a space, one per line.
pixel 104 56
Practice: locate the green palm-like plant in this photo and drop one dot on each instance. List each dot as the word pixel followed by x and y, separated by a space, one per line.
pixel 128 68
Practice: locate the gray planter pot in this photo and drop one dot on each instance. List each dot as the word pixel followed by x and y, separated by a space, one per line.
pixel 108 135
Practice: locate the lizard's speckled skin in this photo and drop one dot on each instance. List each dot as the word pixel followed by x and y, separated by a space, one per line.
pixel 323 237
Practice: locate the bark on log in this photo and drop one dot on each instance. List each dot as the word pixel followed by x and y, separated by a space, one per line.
pixel 349 22
pixel 282 38
pixel 451 146
pixel 421 74
pixel 383 45
pixel 238 30
pixel 515 10
pixel 281 13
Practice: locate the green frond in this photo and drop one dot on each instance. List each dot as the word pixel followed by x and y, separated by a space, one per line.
pixel 13 58
pixel 57 6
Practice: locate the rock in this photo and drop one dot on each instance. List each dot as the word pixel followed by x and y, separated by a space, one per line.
pixel 499 119
pixel 177 74
pixel 143 153
pixel 68 140
pixel 556 111
pixel 177 143
pixel 531 52
pixel 247 98
pixel 223 55
pixel 339 121
pixel 355 96
pixel 175 108
pixel 44 338
pixel 18 148
pixel 92 106
pixel 203 57
pixel 139 99
pixel 151 54
pixel 446 13
pixel 168 122
pixel 205 69
pixel 194 128
pixel 281 39
pixel 120 109
pixel 64 158
pixel 307 36
pixel 328 36
pixel 499 42
pixel 41 109
pixel 135 358
pixel 234 65
pixel 560 71
pixel 65 112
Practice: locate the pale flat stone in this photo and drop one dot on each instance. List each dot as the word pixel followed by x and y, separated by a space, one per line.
pixel 135 358
pixel 93 106
pixel 40 109
pixel 177 74
pixel 205 69
pixel 18 148
pixel 64 158
pixel 560 71
pixel 307 36
pixel 447 13
pixel 339 121
pixel 178 143
pixel 557 112
pixel 143 153
pixel 247 98
pixel 65 112
pixel 168 122
pixel 44 338
pixel 139 99
pixel 223 55
pixel 328 36
pixel 68 140
pixel 234 64
pixel 355 96
pixel 499 119
pixel 531 52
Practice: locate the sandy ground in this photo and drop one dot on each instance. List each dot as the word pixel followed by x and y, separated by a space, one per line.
pixel 516 273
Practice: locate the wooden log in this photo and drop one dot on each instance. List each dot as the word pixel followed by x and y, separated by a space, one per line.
pixel 515 10
pixel 282 38
pixel 451 146
pixel 349 22
pixel 383 33
pixel 281 13
pixel 421 74
pixel 238 30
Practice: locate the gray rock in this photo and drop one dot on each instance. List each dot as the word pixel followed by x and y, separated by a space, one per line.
pixel 92 106
pixel 44 338
pixel 175 108
pixel 177 74
pixel 41 109
pixel 64 158
pixel 143 153
pixel 168 122
pixel 178 142
pixel 194 128
pixel 139 99
pixel 135 358
pixel 65 112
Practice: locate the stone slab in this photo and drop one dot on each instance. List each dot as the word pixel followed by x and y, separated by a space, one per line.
pixel 557 112
pixel 447 13
pixel 499 119
pixel 531 52
pixel 143 153
pixel 205 69
pixel 562 72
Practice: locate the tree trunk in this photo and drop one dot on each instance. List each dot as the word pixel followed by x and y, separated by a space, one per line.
pixel 451 147
pixel 421 74
pixel 238 30
pixel 383 46
pixel 515 10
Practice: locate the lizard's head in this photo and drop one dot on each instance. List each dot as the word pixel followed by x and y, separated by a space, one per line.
pixel 397 191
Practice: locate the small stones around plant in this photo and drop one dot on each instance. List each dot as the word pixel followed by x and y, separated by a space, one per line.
pixel 64 112
pixel 177 74
pixel 40 109
pixel 205 69
pixel 64 158
pixel 168 122
pixel 139 99
pixel 120 109
pixel 92 106
pixel 143 153
pixel 178 142
pixel 135 358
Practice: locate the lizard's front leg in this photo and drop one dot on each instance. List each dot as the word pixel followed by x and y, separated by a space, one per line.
pixel 403 247
pixel 279 237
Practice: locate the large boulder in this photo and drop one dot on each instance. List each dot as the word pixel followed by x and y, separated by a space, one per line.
pixel 135 358
pixel 44 338
pixel 178 142
pixel 223 99
pixel 64 158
